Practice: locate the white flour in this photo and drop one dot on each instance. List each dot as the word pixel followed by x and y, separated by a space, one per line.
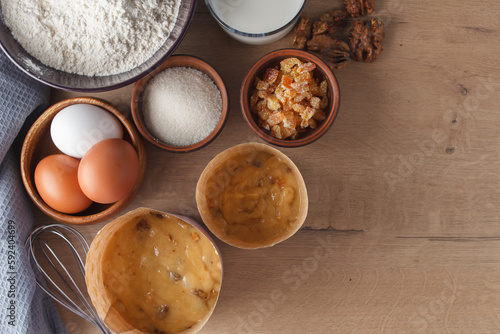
pixel 91 37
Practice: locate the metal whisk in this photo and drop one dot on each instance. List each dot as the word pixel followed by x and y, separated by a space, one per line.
pixel 68 293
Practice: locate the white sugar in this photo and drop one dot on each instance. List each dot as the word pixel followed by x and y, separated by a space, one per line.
pixel 181 106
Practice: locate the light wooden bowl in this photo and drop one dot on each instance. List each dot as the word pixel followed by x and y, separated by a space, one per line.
pixel 38 144
pixel 179 61
pixel 104 291
pixel 221 169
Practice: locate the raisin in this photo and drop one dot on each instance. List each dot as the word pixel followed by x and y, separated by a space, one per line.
pixel 200 293
pixel 257 163
pixel 143 225
pixel 158 331
pixel 157 214
pixel 175 276
pixel 162 311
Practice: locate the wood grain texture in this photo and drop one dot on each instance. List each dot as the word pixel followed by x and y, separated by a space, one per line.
pixel 403 231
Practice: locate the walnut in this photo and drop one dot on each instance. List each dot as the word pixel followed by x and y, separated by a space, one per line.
pixel 330 22
pixel 365 39
pixel 321 43
pixel 338 57
pixel 302 31
pixel 359 8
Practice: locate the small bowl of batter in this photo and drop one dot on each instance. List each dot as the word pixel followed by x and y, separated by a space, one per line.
pixel 252 196
pixel 154 272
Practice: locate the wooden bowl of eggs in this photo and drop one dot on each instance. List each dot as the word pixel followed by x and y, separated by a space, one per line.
pixel 82 161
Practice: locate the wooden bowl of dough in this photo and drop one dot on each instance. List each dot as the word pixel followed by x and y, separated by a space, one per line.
pixel 152 272
pixel 38 144
pixel 252 196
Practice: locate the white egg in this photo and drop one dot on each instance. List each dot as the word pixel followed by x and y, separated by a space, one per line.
pixel 78 127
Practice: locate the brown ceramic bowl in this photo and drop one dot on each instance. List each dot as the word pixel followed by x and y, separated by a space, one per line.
pixel 242 193
pixel 322 72
pixel 179 61
pixel 38 144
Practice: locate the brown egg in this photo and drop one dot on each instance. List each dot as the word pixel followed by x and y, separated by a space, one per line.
pixel 108 171
pixel 56 180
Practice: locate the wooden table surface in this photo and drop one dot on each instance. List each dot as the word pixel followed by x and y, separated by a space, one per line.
pixel 403 231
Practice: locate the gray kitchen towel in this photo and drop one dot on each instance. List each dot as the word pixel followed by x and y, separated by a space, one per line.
pixel 24 307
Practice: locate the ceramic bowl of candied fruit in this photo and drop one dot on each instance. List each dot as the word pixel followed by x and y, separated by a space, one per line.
pixel 290 98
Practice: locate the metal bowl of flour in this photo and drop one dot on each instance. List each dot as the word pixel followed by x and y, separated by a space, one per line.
pixel 85 83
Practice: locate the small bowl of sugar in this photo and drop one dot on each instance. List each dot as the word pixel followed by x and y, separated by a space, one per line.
pixel 182 106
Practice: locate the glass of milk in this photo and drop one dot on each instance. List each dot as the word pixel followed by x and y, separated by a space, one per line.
pixel 256 21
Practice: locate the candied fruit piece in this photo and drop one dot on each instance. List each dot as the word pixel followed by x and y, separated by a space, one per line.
pixel 301 87
pixel 306 67
pixel 263 94
pixel 262 85
pixel 314 89
pixel 280 94
pixel 287 64
pixel 319 115
pixel 300 97
pixel 298 107
pixel 323 88
pixel 297 120
pixel 289 120
pixel 308 113
pixel 271 88
pixel 324 103
pixel 304 77
pixel 264 114
pixel 304 123
pixel 288 132
pixel 312 123
pixel 273 103
pixel 280 132
pixel 286 81
pixel 315 102
pixel 270 75
pixel 261 105
pixel 290 93
pixel 276 132
pixel 253 100
pixel 287 105
pixel 275 118
pixel 264 125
